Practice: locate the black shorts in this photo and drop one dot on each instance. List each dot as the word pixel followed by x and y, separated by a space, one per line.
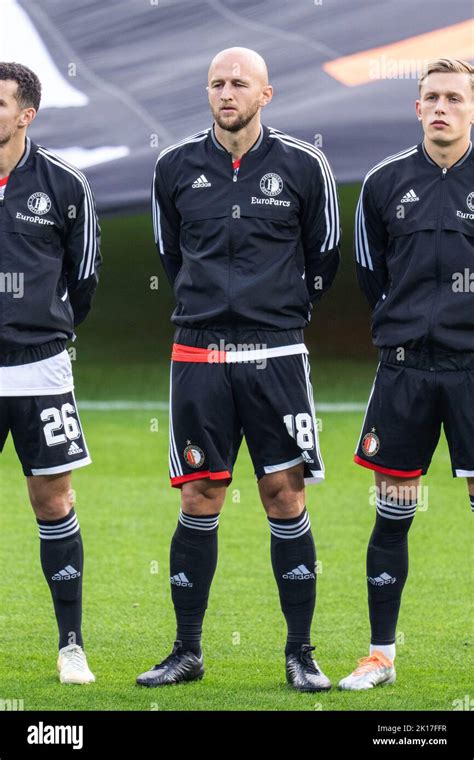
pixel 215 401
pixel 46 431
pixel 408 406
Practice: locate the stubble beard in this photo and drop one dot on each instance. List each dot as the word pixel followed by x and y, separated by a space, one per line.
pixel 6 136
pixel 240 123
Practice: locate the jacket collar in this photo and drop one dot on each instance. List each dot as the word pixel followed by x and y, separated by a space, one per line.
pixel 423 152
pixel 28 155
pixel 258 145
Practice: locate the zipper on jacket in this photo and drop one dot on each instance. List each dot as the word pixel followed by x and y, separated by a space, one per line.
pixel 2 212
pixel 437 269
pixel 236 167
pixel 235 175
pixel 2 199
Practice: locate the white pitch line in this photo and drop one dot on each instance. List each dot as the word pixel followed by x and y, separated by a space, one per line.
pixel 339 406
pixel 119 406
pixel 163 406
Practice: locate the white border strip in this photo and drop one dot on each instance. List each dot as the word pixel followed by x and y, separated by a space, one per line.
pixel 63 467
pixel 283 466
pixel 163 406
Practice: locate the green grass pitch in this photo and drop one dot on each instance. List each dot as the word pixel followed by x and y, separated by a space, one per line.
pixel 128 514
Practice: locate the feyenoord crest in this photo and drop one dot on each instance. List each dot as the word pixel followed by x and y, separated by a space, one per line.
pixel 39 203
pixel 470 201
pixel 271 184
pixel 193 455
pixel 370 443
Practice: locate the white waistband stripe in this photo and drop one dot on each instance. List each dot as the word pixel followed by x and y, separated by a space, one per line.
pixel 253 355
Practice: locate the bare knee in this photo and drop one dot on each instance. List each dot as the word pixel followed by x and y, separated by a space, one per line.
pixel 401 489
pixel 51 496
pixel 282 493
pixel 202 497
pixel 397 500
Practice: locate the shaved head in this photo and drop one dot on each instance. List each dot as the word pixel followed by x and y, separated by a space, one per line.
pixel 238 88
pixel 242 62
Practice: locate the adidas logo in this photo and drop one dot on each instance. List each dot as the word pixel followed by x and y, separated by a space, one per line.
pixel 67 574
pixel 300 573
pixel 201 181
pixel 307 458
pixel 410 197
pixel 180 580
pixel 74 449
pixel 381 580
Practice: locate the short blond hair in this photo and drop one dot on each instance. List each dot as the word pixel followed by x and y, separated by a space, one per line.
pixel 447 66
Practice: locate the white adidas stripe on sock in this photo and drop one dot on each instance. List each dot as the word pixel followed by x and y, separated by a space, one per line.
pixel 293 530
pixel 65 529
pixel 394 511
pixel 198 523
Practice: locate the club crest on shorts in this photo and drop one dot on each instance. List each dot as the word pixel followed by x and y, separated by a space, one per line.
pixel 193 455
pixel 370 443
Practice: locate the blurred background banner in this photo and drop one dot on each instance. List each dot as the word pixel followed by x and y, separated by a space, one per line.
pixel 123 79
pixel 126 78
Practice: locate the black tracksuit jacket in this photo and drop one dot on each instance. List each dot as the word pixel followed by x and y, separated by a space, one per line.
pixel 414 246
pixel 49 235
pixel 253 249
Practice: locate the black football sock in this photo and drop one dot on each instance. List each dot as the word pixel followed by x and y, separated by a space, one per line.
pixel 387 566
pixel 472 503
pixel 193 561
pixel 293 560
pixel 62 560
